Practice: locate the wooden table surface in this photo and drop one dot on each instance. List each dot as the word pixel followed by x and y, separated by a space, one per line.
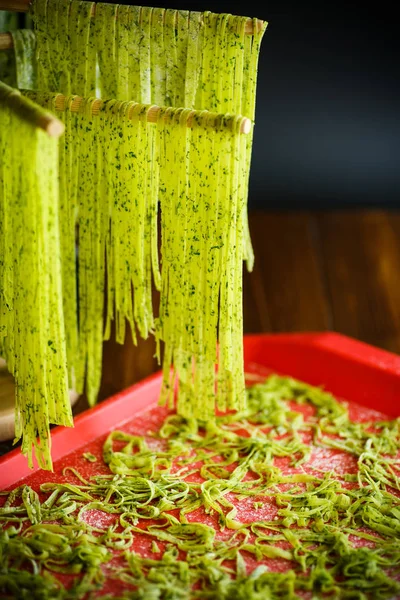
pixel 314 271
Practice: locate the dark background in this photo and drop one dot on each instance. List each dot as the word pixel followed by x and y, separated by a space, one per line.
pixel 328 103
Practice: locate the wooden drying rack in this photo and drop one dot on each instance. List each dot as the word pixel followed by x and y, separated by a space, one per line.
pixel 151 112
pixel 6 40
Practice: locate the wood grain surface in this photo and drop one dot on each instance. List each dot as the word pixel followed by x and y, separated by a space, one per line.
pixel 314 271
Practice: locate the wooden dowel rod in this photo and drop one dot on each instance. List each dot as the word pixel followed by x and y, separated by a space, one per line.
pixel 31 112
pixel 15 5
pixel 152 113
pixel 6 41
pixel 23 6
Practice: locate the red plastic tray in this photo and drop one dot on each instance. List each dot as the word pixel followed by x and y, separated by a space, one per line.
pixel 347 368
pixel 368 378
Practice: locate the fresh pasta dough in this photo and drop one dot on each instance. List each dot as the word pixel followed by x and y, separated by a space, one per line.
pixel 32 337
pixel 204 61
pixel 119 176
pixel 177 58
pixel 24 42
pixel 200 307
pixel 130 167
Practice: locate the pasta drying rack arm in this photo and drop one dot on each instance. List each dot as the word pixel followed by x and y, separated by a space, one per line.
pixel 30 111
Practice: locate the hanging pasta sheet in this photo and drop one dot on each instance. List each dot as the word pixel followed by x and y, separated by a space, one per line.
pixel 66 54
pixel 24 43
pixel 32 337
pixel 205 61
pixel 166 57
pixel 108 195
pixel 201 292
pixel 126 166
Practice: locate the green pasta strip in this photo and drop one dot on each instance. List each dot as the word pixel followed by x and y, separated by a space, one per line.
pixel 32 338
pixel 65 50
pixel 197 177
pixel 105 29
pixel 129 166
pixel 179 62
pixel 200 266
pixel 24 42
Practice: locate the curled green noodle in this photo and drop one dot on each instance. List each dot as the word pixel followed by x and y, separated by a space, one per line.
pixel 328 538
